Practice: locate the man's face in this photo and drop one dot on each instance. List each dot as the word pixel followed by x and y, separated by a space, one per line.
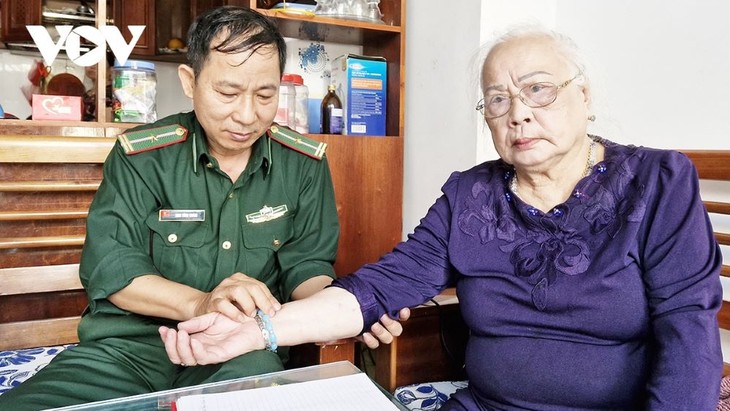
pixel 235 97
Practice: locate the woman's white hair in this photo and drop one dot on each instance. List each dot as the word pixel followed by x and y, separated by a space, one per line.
pixel 564 44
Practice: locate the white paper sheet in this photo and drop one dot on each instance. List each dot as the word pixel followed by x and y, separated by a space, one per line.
pixel 352 392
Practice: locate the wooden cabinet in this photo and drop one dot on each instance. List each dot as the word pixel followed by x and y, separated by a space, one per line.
pixel 367 171
pixel 164 20
pixel 137 13
pixel 16 14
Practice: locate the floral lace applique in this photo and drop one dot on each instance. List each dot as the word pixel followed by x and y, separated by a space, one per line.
pixel 619 200
pixel 485 218
pixel 548 250
pixel 541 246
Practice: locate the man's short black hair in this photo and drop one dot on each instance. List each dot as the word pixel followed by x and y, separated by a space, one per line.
pixel 244 29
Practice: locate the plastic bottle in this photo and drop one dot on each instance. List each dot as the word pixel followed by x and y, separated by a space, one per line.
pixel 134 92
pixel 301 98
pixel 331 112
pixel 286 112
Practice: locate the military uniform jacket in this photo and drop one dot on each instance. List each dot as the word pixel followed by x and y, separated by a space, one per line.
pixel 171 211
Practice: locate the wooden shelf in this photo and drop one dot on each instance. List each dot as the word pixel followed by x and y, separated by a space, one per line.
pixel 351 24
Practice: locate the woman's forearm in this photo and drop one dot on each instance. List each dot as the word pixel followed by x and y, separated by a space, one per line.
pixel 330 314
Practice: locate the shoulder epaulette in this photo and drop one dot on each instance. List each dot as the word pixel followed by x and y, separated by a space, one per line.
pixel 139 141
pixel 297 142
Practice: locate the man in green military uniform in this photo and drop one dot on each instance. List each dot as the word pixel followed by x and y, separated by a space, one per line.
pixel 215 210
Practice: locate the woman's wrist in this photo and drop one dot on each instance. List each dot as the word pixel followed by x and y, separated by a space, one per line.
pixel 267 330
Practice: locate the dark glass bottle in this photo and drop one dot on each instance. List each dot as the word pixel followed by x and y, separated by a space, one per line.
pixel 331 112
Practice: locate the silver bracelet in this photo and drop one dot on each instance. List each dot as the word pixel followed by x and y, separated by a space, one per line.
pixel 267 330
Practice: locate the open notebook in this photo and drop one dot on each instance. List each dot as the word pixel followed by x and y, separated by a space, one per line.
pixel 351 392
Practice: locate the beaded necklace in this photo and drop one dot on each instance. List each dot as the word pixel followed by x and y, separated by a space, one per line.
pixel 589 166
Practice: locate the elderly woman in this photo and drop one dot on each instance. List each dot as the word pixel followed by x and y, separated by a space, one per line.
pixel 586 270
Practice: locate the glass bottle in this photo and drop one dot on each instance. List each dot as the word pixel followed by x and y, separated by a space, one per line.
pixel 373 11
pixel 331 112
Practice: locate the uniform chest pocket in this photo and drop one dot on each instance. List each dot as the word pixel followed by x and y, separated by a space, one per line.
pixel 270 234
pixel 176 246
pixel 178 233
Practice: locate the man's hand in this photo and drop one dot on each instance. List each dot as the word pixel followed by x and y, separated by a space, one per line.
pixel 237 295
pixel 385 330
pixel 211 339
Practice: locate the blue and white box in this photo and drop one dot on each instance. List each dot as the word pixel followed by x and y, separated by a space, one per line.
pixel 361 83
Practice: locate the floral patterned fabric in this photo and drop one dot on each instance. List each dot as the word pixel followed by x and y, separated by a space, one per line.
pixel 19 365
pixel 427 396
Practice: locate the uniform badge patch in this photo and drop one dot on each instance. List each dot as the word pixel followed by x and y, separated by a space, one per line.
pixel 140 141
pixel 267 214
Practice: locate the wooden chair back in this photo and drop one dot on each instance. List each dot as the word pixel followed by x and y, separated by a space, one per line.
pixel 46 186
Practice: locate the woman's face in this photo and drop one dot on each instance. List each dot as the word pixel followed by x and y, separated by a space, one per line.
pixel 535 139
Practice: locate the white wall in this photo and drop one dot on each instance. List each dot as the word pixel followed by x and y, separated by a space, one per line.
pixel 439 119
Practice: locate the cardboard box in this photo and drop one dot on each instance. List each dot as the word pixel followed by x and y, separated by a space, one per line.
pixel 361 85
pixel 47 107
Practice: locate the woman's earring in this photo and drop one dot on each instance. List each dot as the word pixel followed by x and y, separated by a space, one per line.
pixel 592 117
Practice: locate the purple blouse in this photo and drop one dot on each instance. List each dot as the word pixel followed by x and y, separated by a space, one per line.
pixel 608 301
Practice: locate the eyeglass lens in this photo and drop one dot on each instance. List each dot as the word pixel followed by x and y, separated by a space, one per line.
pixel 533 95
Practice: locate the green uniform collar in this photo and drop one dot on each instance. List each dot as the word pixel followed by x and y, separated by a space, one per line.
pixel 260 152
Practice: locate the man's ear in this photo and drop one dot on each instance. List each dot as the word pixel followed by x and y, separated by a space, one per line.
pixel 187 79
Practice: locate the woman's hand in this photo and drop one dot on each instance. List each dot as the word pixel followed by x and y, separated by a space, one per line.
pixel 211 339
pixel 385 330
pixel 238 297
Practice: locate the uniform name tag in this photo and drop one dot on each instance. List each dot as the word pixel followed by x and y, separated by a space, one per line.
pixel 267 214
pixel 182 215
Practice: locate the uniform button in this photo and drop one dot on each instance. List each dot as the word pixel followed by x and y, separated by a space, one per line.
pixel 230 195
pixel 209 165
pixel 172 238
pixel 226 245
pixel 276 243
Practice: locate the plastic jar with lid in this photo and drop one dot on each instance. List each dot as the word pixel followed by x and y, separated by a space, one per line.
pixel 301 99
pixel 286 111
pixel 134 92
